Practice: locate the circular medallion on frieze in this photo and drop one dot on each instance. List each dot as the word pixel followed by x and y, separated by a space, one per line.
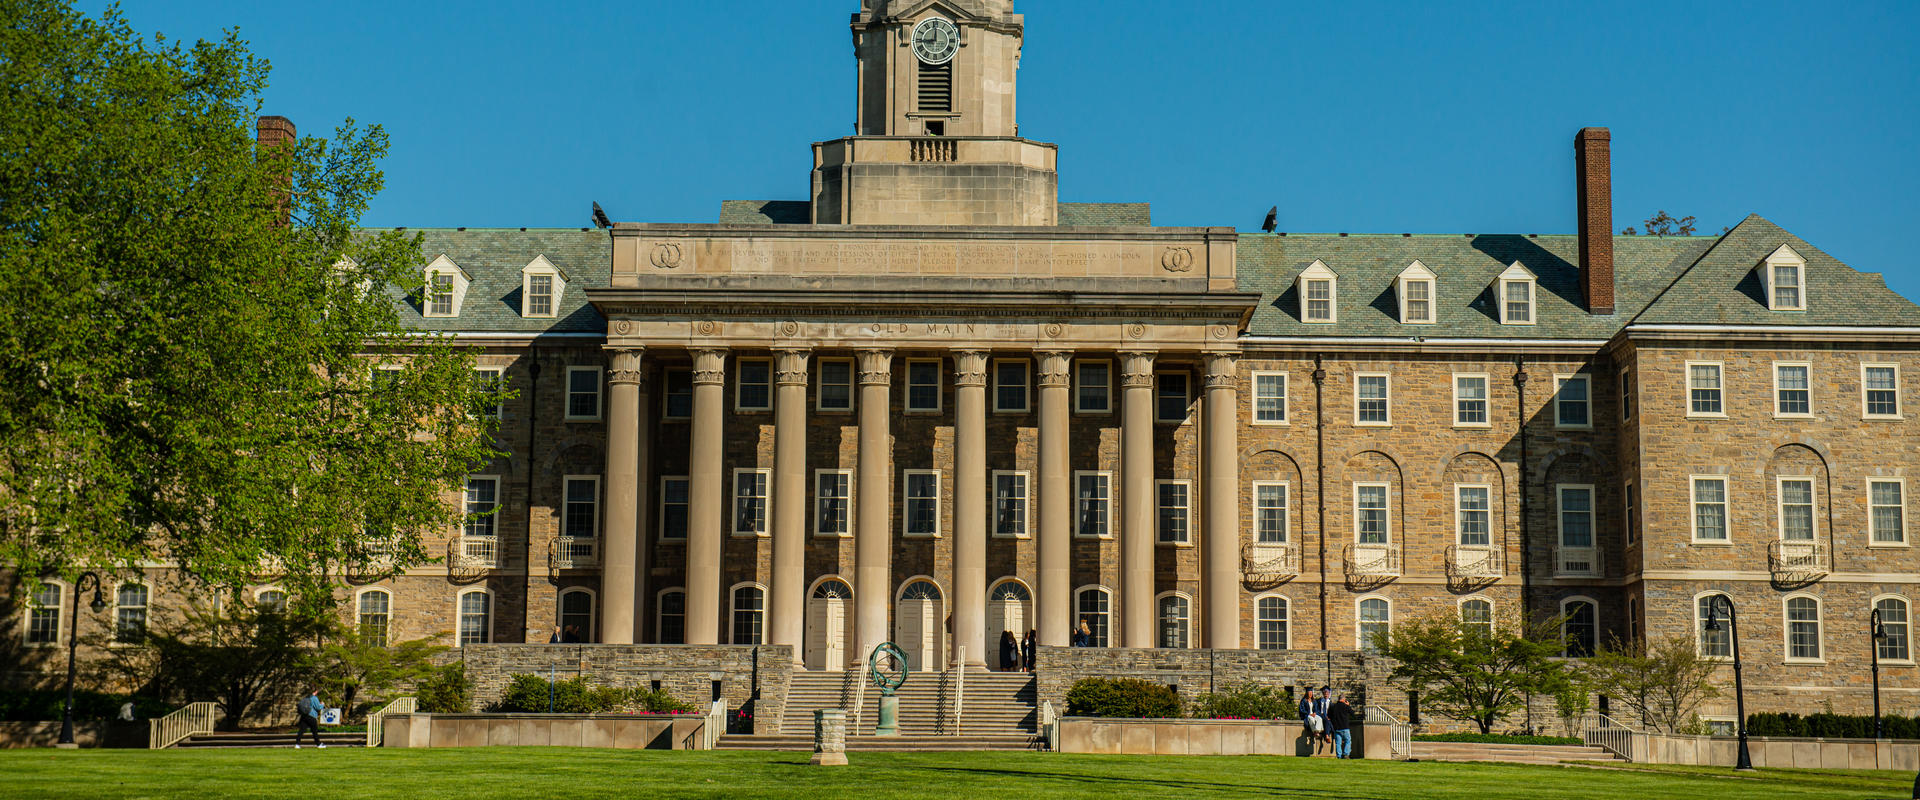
pixel 1220 331
pixel 1136 330
pixel 789 328
pixel 706 327
pixel 666 255
pixel 623 327
pixel 1177 259
pixel 1054 330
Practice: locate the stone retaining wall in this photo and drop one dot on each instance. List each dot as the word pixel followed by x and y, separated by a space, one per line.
pixel 1195 672
pixel 1202 737
pixel 622 731
pixel 1776 752
pixel 14 735
pixel 759 674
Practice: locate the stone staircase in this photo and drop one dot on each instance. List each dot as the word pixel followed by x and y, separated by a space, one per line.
pixel 207 741
pixel 1511 753
pixel 995 704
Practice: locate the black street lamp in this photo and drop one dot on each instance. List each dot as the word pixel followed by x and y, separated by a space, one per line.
pixel 1878 633
pixel 1745 761
pixel 73 640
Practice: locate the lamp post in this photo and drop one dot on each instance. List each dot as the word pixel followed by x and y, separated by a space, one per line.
pixel 73 640
pixel 1745 762
pixel 1877 633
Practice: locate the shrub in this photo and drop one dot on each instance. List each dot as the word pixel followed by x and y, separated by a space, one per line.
pixel 532 694
pixel 1245 701
pixel 1830 726
pixel 1495 738
pixel 1122 697
pixel 654 701
pixel 46 705
pixel 446 691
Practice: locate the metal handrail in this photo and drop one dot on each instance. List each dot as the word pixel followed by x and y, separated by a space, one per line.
pixel 1049 726
pixel 859 701
pixel 1608 733
pixel 376 733
pixel 959 670
pixel 1399 734
pixel 195 718
pixel 715 724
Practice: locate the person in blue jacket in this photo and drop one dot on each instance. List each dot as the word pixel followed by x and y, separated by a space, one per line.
pixel 310 708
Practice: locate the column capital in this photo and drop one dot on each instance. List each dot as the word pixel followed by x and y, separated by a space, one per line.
pixel 790 365
pixel 1221 371
pixel 1055 366
pixel 969 367
pixel 876 365
pixel 1136 367
pixel 626 365
pixel 709 365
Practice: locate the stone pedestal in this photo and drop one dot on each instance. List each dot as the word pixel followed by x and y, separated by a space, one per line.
pixel 830 737
pixel 889 723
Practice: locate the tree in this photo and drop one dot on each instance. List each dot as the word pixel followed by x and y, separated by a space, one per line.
pixel 1462 671
pixel 1663 680
pixel 352 664
pixel 235 654
pixel 184 372
pixel 1660 224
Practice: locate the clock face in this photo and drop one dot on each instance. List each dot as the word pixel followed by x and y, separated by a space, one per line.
pixel 935 40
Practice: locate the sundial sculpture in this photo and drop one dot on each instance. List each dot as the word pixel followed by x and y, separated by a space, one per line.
pixel 887 668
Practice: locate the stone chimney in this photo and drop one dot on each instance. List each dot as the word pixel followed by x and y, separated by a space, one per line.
pixel 277 132
pixel 1593 159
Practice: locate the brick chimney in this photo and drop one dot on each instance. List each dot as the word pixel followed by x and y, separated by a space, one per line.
pixel 277 132
pixel 1592 153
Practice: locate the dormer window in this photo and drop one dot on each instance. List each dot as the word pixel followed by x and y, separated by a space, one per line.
pixel 1514 294
pixel 1785 276
pixel 1415 288
pixel 1318 292
pixel 446 288
pixel 541 284
pixel 442 292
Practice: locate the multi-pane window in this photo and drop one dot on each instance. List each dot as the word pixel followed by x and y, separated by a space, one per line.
pixel 1710 509
pixel 673 508
pixel 1893 644
pixel 539 295
pixel 1476 615
pixel 834 390
pixel 750 501
pixel 923 385
pixel 749 614
pixel 576 612
pixel 1518 302
pixel 1010 384
pixel 1175 504
pixel 678 403
pixel 1714 643
pixel 673 617
pixel 1886 502
pixel 1270 505
pixel 1010 504
pixel 582 517
pixel 1319 295
pixel 1370 513
pixel 753 384
pixel 1270 398
pixel 1631 525
pixel 1093 504
pixel 1474 515
pixel 1580 627
pixel 476 618
pixel 1370 400
pixel 1271 622
pixel 1573 403
pixel 1786 287
pixel 483 496
pixel 1803 628
pixel 921 502
pixel 1880 384
pixel 1470 400
pixel 1792 392
pixel 1093 386
pixel 272 601
pixel 488 381
pixel 833 503
pixel 375 608
pixel 1626 394
pixel 43 621
pixel 1095 607
pixel 1375 618
pixel 1796 509
pixel 1419 301
pixel 1170 397
pixel 1703 389
pixel 1576 516
pixel 583 393
pixel 1175 612
pixel 440 295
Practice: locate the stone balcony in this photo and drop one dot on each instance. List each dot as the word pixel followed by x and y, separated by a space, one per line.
pixel 1797 563
pixel 1577 562
pixel 472 556
pixel 1372 564
pixel 573 552
pixel 1269 562
pixel 1468 564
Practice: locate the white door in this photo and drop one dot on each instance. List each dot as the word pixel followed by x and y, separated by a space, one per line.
pixel 917 626
pixel 827 626
pixel 1008 606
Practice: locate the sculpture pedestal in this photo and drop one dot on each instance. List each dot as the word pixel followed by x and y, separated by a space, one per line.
pixel 830 737
pixel 889 716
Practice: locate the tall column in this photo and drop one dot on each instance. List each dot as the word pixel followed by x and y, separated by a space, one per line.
pixel 1222 477
pixel 1055 611
pixel 873 551
pixel 970 504
pixel 1136 499
pixel 706 497
pixel 789 601
pixel 623 557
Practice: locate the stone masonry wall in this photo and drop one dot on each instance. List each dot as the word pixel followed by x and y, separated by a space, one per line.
pixel 757 674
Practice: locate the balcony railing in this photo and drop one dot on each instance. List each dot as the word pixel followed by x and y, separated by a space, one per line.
pixel 470 556
pixel 1468 563
pixel 935 149
pixel 1372 562
pixel 1797 561
pixel 1578 562
pixel 1265 562
pixel 574 552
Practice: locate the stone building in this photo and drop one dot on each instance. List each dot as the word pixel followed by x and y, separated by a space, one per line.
pixel 930 403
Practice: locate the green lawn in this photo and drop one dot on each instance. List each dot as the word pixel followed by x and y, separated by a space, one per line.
pixel 532 772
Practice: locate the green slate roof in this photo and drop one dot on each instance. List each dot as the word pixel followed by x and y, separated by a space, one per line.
pixel 494 258
pixel 1105 215
pixel 1724 287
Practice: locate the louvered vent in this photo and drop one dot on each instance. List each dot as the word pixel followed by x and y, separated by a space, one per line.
pixel 936 87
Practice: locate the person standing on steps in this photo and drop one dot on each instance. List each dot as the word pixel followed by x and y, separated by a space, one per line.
pixel 1340 722
pixel 1030 648
pixel 310 709
pixel 1083 635
pixel 1009 652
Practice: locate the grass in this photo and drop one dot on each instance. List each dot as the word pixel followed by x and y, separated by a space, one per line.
pixel 534 772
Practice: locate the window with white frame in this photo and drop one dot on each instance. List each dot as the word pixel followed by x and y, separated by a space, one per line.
pixel 1576 525
pixel 1370 518
pixel 1093 386
pixel 678 390
pixel 1175 507
pixel 1887 508
pixel 1704 390
pixel 440 295
pixel 489 380
pixel 749 614
pixel 583 393
pixel 1796 509
pixel 753 384
pixel 375 609
pixel 1893 642
pixel 483 496
pixel 1371 397
pixel 1626 394
pixel 541 285
pixel 1473 515
pixel 581 518
pixel 1010 503
pixel 1476 615
pixel 1580 627
pixel 1572 402
pixel 833 389
pixel 1709 508
pixel 1470 401
pixel 271 601
pixel 1095 606
pixel 1270 626
pixel 1171 396
pixel 1270 512
pixel 1414 286
pixel 1316 287
pixel 1176 612
pixel 671 624
pixel 43 615
pixel 1515 295
pixel 833 502
pixel 1792 390
pixel 1880 390
pixel 924 385
pixel 673 508
pixel 446 288
pixel 576 614
pixel 476 617
pixel 1803 628
pixel 1269 398
pixel 1010 385
pixel 1093 504
pixel 750 487
pixel 1784 274
pixel 1710 612
pixel 1374 616
pixel 920 502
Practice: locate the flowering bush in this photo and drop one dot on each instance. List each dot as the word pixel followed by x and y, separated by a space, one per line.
pixel 1245 701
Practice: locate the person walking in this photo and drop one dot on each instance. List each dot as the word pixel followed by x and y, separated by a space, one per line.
pixel 1009 652
pixel 1310 719
pixel 1340 722
pixel 310 709
pixel 1030 648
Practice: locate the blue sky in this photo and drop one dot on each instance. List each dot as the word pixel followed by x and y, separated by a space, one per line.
pixel 1418 117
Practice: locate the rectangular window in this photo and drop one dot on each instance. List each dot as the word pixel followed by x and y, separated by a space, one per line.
pixel 920 502
pixel 673 508
pixel 483 495
pixel 375 608
pixel 1010 504
pixel 1093 503
pixel 1270 505
pixel 130 615
pixel 1786 287
pixel 1576 516
pixel 1319 300
pixel 539 295
pixel 1886 502
pixel 1370 524
pixel 1010 385
pixel 1703 390
pixel 1175 506
pixel 1626 394
pixel 489 380
pixel 1796 509
pixel 1093 387
pixel 1893 623
pixel 678 403
pixel 582 517
pixel 1370 398
pixel 1803 629
pixel 1792 390
pixel 923 385
pixel 1170 397
pixel 833 503
pixel 1519 302
pixel 750 501
pixel 43 622
pixel 1572 403
pixel 1710 509
pixel 1269 398
pixel 834 391
pixel 1880 387
pixel 1272 613
pixel 583 393
pixel 753 384
pixel 1470 401
pixel 1473 515
pixel 1419 301
pixel 441 302
pixel 1631 498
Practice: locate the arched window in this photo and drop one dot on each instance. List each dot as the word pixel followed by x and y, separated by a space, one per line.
pixel 272 601
pixel 476 617
pixel 1375 619
pixel 1010 590
pixel 1095 604
pixel 1271 622
pixel 1893 628
pixel 749 613
pixel 576 614
pixel 1580 628
pixel 920 590
pixel 1175 611
pixel 1713 643
pixel 1803 628
pixel 130 614
pixel 375 605
pixel 832 588
pixel 1476 614
pixel 43 621
pixel 672 624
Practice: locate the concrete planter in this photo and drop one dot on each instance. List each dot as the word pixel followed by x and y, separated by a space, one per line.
pixel 620 731
pixel 1776 751
pixel 1197 737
